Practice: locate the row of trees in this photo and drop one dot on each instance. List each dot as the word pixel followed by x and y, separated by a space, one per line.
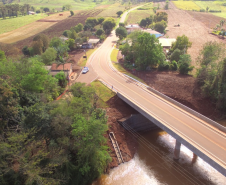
pixel 157 22
pixel 14 10
pixel 44 141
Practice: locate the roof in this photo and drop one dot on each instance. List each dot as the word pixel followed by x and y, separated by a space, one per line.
pixel 54 73
pixel 166 42
pixel 135 26
pixel 93 41
pixel 151 31
pixel 57 67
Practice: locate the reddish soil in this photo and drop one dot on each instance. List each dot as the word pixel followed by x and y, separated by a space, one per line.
pixel 127 143
pixel 54 31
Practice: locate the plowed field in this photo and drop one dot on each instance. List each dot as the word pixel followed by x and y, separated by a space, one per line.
pixel 49 28
pixel 194 27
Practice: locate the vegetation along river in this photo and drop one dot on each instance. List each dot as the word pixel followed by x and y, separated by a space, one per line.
pixel 154 165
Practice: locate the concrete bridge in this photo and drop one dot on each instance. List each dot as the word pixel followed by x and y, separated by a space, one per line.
pixel 213 158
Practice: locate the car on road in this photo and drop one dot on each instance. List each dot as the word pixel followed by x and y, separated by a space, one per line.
pixel 85 70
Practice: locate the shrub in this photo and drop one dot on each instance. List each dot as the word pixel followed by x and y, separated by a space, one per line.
pixel 202 10
pixel 99 32
pixel 122 24
pixel 173 66
pixel 185 64
pixel 66 33
pixel 176 55
pixel 215 11
pixel 163 66
pixel 25 51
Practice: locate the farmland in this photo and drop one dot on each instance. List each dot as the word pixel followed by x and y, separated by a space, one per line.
pixel 186 5
pixel 136 15
pixel 10 24
pixel 29 29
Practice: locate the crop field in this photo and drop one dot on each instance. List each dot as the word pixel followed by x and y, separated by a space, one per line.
pixel 58 4
pixel 136 15
pixel 213 6
pixel 10 24
pixel 51 29
pixel 186 5
pixel 32 28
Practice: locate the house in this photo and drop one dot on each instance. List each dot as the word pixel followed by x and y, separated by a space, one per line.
pixel 94 42
pixel 132 27
pixel 166 42
pixel 63 38
pixel 153 32
pixel 31 13
pixel 87 46
pixel 56 68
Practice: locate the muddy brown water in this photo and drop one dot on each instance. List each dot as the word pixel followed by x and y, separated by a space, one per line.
pixel 154 165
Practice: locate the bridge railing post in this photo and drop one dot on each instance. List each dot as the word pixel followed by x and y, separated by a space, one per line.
pixel 177 150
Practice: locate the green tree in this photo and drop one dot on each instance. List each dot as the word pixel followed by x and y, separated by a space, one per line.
pixel 119 13
pixel 43 39
pixel 99 32
pixel 161 16
pixel 67 7
pixel 121 32
pixel 143 23
pixel 78 28
pixel 108 25
pixel 100 20
pixel 166 7
pixel 49 56
pixel 122 24
pixel 71 43
pixel 176 55
pixel 185 64
pixel 160 26
pixel 62 81
pixel 91 21
pixel 182 43
pixel 37 47
pixel 72 13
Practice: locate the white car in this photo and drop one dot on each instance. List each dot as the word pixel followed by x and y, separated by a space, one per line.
pixel 85 70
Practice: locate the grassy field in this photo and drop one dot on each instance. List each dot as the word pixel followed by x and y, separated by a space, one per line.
pixel 10 24
pixel 103 92
pixel 58 4
pixel 213 5
pixel 112 10
pixel 186 5
pixel 136 15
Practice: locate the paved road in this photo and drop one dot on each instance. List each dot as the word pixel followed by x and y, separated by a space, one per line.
pixel 207 139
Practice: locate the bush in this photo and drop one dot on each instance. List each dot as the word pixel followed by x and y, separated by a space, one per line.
pixel 173 66
pixel 185 64
pixel 202 10
pixel 122 24
pixel 72 13
pixel 99 32
pixel 38 11
pixel 215 11
pixel 163 66
pixel 25 51
pixel 143 8
pixel 176 55
pixel 66 33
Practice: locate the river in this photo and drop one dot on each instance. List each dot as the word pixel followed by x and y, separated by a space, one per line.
pixel 154 165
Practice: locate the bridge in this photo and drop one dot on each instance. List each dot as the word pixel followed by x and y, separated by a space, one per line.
pixel 204 137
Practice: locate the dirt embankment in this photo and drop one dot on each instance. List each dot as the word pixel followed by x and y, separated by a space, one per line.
pixel 127 143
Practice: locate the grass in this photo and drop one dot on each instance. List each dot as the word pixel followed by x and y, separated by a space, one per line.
pixel 103 92
pixel 135 16
pixel 11 24
pixel 112 10
pixel 119 67
pixel 213 6
pixel 186 5
pixel 82 62
pixel 58 4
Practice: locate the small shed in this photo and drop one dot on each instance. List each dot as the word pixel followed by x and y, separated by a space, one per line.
pixel 67 68
pixel 166 42
pixel 87 46
pixel 133 27
pixel 94 42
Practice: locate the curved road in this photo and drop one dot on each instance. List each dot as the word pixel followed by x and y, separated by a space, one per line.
pixel 200 134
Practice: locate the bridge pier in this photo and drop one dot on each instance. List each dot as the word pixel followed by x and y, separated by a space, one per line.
pixel 177 150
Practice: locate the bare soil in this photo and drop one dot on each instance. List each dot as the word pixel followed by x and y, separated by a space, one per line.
pixel 127 144
pixel 194 25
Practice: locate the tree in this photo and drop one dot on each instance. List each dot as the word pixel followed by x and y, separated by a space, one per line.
pixel 67 7
pixel 160 26
pixel 161 16
pixel 185 64
pixel 143 23
pixel 46 9
pixel 43 39
pixel 49 56
pixel 119 13
pixel 176 55
pixel 73 34
pixel 99 32
pixel 78 28
pixel 121 32
pixel 100 20
pixel 66 33
pixel 37 47
pixel 182 43
pixel 62 81
pixel 72 13
pixel 122 24
pixel 71 43
pixel 91 22
pixel 207 9
pixel 108 25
